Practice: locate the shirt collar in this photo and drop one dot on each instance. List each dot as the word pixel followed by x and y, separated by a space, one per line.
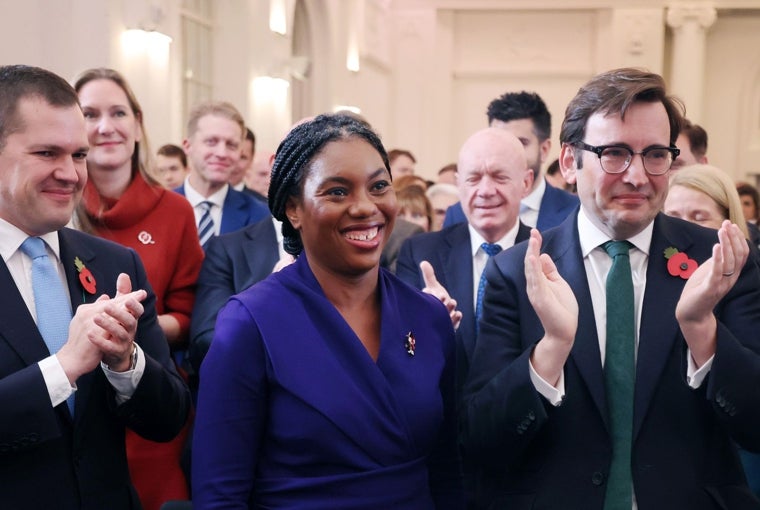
pixel 217 198
pixel 591 237
pixel 505 242
pixel 11 238
pixel 533 200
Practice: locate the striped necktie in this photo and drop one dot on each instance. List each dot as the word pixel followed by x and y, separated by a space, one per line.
pixel 206 225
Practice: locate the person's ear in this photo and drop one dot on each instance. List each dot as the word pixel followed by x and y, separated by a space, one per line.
pixel 293 213
pixel 545 147
pixel 567 163
pixel 528 179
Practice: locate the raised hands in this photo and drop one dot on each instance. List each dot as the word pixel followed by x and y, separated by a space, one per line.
pixel 556 307
pixel 706 287
pixel 434 288
pixel 103 331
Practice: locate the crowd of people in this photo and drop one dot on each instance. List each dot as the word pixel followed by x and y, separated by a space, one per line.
pixel 322 327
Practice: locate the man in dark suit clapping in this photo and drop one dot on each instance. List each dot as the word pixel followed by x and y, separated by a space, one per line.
pixel 69 386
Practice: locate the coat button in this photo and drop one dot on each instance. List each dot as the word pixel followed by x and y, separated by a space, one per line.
pixel 597 478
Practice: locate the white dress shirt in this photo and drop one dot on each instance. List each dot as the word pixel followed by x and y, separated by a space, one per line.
pixel 530 205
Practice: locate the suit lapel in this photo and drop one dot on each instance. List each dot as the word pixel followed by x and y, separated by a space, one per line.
pixel 457 261
pixel 233 212
pixel 658 329
pixel 259 252
pixel 565 251
pixel 72 248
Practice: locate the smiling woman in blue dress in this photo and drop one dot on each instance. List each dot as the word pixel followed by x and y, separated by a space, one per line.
pixel 331 383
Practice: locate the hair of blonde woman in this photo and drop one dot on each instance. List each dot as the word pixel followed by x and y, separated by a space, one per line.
pixel 717 185
pixel 413 199
pixel 142 156
pixel 217 108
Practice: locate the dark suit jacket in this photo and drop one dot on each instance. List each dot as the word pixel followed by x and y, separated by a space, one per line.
pixel 46 459
pixel 449 252
pixel 556 205
pixel 233 263
pixel 536 455
pixel 239 210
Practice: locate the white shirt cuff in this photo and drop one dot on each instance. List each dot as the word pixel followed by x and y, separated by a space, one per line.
pixel 57 382
pixel 695 376
pixel 125 383
pixel 555 396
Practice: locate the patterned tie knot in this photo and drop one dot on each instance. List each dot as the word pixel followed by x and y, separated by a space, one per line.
pixel 615 248
pixel 490 249
pixel 34 247
pixel 206 206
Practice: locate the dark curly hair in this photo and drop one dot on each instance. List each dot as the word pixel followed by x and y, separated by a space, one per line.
pixel 522 105
pixel 293 159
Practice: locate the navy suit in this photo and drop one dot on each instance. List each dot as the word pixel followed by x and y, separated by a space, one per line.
pixel 48 460
pixel 233 263
pixel 239 210
pixel 449 252
pixel 556 205
pixel 535 455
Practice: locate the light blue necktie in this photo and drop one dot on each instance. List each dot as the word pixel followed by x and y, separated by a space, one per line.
pixel 490 250
pixel 51 298
pixel 206 225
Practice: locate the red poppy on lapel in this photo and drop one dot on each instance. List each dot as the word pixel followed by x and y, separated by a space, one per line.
pixel 85 276
pixel 679 264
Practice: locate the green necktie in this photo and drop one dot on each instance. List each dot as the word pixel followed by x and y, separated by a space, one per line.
pixel 619 373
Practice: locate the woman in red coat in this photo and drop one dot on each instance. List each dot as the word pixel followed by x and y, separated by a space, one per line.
pixel 124 203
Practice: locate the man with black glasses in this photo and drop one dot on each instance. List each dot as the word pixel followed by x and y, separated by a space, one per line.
pixel 618 354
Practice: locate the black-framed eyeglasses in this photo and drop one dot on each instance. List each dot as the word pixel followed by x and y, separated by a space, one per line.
pixel 615 159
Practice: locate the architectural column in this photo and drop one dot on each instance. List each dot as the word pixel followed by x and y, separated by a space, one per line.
pixel 690 24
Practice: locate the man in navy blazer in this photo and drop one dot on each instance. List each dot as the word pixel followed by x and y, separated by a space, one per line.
pixel 536 416
pixel 233 263
pixel 115 359
pixel 492 177
pixel 215 133
pixel 525 115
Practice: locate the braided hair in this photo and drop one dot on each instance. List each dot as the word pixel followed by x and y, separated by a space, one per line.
pixel 293 160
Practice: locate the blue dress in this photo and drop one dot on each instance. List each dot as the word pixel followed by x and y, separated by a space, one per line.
pixel 294 413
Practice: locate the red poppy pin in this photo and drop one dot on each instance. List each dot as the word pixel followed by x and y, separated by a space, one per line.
pixel 679 264
pixel 85 276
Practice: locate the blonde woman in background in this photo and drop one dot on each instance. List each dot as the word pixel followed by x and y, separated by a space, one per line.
pixel 706 195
